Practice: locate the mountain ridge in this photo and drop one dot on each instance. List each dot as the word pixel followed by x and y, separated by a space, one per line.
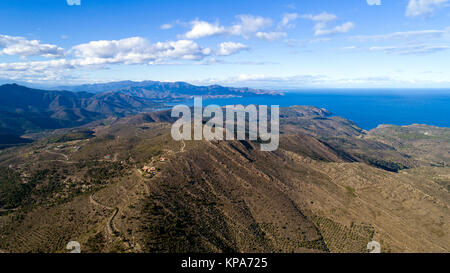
pixel 179 88
pixel 129 187
pixel 26 109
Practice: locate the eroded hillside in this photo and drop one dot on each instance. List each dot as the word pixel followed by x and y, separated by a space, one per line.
pixel 331 187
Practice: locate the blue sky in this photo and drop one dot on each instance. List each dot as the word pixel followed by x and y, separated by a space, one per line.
pixel 271 44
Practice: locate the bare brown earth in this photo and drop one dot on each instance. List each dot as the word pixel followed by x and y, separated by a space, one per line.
pixel 331 187
pixel 429 144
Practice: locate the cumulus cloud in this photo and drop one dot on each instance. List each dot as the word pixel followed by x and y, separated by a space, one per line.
pixel 270 36
pixel 322 21
pixel 249 24
pixel 374 2
pixel 411 49
pixel 74 2
pixel 37 67
pixel 229 48
pixel 19 46
pixel 202 29
pixel 288 19
pixel 134 50
pixel 137 50
pixel 246 26
pixel 423 7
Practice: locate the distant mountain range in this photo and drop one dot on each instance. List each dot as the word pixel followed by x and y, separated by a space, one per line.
pixel 24 110
pixel 162 90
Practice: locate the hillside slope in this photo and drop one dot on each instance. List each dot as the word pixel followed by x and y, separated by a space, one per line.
pixel 227 196
pixel 24 109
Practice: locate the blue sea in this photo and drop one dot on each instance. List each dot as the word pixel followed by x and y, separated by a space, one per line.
pixel 368 108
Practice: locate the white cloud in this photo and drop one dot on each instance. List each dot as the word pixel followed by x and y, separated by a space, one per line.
pixel 213 60
pixel 250 77
pixel 346 27
pixel 166 26
pixel 323 17
pixel 19 46
pixel 202 29
pixel 306 42
pixel 270 36
pixel 323 81
pixel 36 66
pixel 266 81
pixel 246 26
pixel 103 53
pixel 181 49
pixel 229 48
pixel 348 48
pixel 249 24
pixel 374 2
pixel 411 42
pixel 322 20
pixel 408 35
pixel 74 2
pixel 137 50
pixel 411 49
pixel 109 49
pixel 287 19
pixel 423 7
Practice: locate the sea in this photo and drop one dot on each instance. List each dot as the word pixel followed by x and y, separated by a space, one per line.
pixel 367 108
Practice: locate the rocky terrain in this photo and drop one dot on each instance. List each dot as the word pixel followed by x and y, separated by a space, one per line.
pixel 123 185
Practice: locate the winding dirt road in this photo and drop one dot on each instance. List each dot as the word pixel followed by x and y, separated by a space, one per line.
pixel 61 154
pixel 110 226
pixel 92 201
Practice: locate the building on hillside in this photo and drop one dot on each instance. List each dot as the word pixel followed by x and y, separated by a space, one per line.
pixel 149 169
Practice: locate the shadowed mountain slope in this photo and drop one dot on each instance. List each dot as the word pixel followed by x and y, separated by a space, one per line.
pixel 24 109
